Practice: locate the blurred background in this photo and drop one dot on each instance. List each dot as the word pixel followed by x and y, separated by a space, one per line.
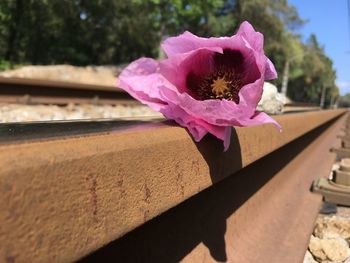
pixel 115 32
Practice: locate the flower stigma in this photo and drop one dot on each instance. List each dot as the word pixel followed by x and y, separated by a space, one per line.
pixel 220 86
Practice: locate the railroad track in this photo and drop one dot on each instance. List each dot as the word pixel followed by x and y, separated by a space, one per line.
pixel 36 91
pixel 154 195
pixel 299 107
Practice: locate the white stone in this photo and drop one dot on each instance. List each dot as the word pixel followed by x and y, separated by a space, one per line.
pixel 23 113
pixel 271 101
pixel 333 249
pixel 336 249
pixel 315 247
pixel 309 258
pixel 332 227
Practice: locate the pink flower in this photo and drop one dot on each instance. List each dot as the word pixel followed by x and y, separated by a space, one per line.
pixel 205 84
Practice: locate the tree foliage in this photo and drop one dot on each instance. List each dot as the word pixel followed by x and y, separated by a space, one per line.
pixel 82 32
pixel 344 101
pixel 316 75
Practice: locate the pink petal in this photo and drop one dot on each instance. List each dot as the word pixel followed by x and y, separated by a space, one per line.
pixel 250 95
pixel 176 68
pixel 187 42
pixel 209 111
pixel 216 112
pixel 142 81
pixel 260 118
pixel 141 66
pixel 197 127
pixel 255 39
pixel 270 72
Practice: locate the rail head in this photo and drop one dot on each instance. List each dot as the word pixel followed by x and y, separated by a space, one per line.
pixel 56 83
pixel 93 189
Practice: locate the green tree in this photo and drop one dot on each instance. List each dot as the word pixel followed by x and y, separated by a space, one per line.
pixel 317 76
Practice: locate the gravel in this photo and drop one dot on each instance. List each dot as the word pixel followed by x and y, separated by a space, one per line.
pixel 330 239
pixel 25 113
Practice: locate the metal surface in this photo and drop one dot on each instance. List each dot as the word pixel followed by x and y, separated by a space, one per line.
pixel 295 108
pixel 264 213
pixel 37 91
pixel 64 198
pixel 32 91
pixel 64 99
pixel 336 189
pixel 299 107
pixel 341 175
pixel 36 83
pixel 341 152
pixel 38 131
pixel 332 192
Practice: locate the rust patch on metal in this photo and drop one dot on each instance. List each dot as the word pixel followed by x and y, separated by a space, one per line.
pixel 92 189
pixel 179 180
pixel 120 183
pixel 146 216
pixel 10 259
pixel 147 194
pixel 195 167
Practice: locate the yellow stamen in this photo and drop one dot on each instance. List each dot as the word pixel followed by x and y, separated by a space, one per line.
pixel 220 86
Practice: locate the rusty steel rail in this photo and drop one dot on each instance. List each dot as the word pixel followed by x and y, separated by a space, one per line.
pixel 299 107
pixel 67 196
pixel 37 91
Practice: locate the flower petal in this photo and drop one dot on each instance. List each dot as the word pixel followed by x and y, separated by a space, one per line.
pixel 270 72
pixel 187 42
pixel 260 118
pixel 255 39
pixel 197 127
pixel 142 81
pixel 250 95
pixel 214 112
pixel 176 68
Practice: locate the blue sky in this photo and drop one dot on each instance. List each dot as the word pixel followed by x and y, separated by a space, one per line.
pixel 328 19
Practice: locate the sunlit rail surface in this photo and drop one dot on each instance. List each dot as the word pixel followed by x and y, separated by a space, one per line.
pixel 149 191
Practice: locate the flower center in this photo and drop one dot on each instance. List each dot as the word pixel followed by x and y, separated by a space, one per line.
pixel 220 86
pixel 224 82
pixel 217 85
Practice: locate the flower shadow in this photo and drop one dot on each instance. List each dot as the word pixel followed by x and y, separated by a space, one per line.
pixel 220 163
